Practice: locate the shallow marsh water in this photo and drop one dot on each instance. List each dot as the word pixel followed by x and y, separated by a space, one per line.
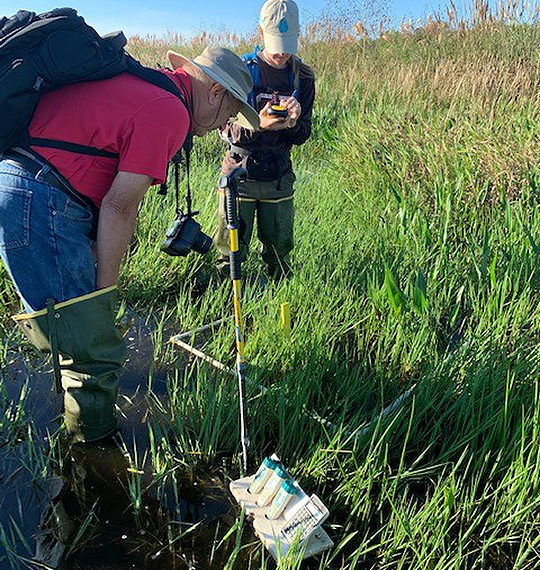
pixel 102 506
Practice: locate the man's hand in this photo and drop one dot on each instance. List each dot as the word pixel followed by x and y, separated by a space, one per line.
pixel 273 123
pixel 117 219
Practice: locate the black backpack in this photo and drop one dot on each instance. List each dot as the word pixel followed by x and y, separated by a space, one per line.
pixel 42 52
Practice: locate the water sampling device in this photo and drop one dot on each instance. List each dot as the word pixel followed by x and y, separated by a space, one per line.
pixel 229 185
pixel 284 517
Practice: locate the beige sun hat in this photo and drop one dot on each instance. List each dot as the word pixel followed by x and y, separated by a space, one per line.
pixel 227 69
pixel 280 24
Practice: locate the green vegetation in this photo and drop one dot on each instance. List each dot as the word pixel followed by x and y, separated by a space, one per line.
pixel 416 263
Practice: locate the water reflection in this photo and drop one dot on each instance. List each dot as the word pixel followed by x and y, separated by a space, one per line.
pixel 94 521
pixel 101 505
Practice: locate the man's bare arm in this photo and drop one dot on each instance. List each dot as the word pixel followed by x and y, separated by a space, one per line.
pixel 117 220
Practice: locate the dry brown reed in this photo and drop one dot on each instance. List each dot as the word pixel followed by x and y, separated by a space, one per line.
pixel 457 86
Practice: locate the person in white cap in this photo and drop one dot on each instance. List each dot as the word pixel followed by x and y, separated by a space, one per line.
pixel 277 73
pixel 53 198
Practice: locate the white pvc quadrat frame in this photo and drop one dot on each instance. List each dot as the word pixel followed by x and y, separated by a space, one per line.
pixel 179 340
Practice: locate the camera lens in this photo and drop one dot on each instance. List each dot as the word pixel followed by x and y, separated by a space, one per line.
pixel 202 243
pixel 184 236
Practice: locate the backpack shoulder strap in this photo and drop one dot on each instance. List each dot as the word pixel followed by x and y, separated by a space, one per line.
pixel 252 56
pixel 252 63
pixel 10 25
pixel 158 79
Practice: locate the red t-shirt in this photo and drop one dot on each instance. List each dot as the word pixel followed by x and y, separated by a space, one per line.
pixel 143 123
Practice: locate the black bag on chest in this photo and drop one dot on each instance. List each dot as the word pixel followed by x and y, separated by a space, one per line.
pixel 39 53
pixel 42 52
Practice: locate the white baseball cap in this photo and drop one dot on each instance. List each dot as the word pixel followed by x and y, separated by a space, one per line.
pixel 280 25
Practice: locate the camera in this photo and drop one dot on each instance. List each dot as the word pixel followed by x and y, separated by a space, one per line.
pixel 185 235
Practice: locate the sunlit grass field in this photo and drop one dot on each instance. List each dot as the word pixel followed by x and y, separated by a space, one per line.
pixel 416 265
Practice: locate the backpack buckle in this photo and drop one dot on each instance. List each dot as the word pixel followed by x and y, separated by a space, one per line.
pixel 38 83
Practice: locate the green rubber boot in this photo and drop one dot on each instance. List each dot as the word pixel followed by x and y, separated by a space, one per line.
pixel 81 334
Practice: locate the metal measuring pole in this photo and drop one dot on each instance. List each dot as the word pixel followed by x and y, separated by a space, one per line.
pixel 229 184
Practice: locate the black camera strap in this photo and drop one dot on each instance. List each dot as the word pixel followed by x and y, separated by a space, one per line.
pixel 175 161
pixel 188 145
pixel 177 185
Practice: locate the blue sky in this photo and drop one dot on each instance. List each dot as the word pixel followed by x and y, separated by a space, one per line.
pixel 160 16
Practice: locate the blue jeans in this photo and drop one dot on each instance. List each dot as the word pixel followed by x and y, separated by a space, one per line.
pixel 45 239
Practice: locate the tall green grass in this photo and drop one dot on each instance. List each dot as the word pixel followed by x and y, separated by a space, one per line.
pixel 416 262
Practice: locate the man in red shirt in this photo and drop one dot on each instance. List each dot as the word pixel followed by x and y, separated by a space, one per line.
pixel 63 255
